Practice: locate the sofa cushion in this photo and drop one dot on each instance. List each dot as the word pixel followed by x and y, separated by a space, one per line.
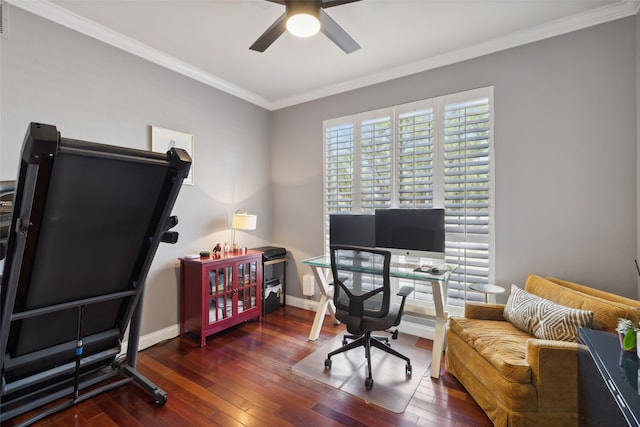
pixel 605 312
pixel 596 292
pixel 495 394
pixel 543 318
pixel 503 345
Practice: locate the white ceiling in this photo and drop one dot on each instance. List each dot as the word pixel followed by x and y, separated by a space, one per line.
pixel 209 40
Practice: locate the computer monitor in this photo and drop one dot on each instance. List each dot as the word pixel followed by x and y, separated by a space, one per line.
pixel 354 230
pixel 413 233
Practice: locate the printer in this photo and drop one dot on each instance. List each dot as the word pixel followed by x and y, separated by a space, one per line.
pixel 270 253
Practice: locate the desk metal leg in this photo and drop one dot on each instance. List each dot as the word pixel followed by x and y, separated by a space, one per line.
pixel 438 347
pixel 439 302
pixel 324 304
pixel 317 321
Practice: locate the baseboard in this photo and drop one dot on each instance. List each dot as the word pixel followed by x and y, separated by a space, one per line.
pixel 304 303
pixel 412 326
pixel 154 338
pixel 417 328
pixel 159 336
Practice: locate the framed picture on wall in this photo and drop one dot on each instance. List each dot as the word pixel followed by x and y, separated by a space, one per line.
pixel 162 140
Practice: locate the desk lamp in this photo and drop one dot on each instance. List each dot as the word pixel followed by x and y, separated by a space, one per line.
pixel 241 220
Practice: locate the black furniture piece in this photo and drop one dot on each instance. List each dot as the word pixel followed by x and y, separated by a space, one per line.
pixel 362 297
pixel 274 274
pixel 86 223
pixel 608 381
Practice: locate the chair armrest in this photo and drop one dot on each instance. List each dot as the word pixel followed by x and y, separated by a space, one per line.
pixel 405 291
pixel 554 374
pixel 478 310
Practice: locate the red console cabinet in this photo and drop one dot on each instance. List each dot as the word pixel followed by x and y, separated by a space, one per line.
pixel 217 293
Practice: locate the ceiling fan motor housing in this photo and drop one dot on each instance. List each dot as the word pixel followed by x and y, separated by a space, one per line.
pixel 294 7
pixel 313 8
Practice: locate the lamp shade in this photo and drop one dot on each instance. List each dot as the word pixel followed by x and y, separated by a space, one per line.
pixel 244 221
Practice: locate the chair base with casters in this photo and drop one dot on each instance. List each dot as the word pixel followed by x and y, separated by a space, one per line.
pixel 367 340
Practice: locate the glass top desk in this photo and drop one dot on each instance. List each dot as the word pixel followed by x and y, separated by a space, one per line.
pixel 402 270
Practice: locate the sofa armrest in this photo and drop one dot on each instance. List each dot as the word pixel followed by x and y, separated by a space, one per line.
pixel 554 374
pixel 477 310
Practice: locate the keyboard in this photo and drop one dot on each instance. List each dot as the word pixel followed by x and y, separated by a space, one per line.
pixel 403 265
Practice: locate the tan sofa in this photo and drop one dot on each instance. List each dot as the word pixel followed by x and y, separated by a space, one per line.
pixel 517 379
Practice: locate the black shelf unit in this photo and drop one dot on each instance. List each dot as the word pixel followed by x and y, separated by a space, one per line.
pixel 274 273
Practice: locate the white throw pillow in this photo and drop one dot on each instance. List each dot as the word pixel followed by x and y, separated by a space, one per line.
pixel 543 318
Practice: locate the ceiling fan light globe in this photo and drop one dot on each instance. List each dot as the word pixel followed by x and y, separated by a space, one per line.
pixel 303 25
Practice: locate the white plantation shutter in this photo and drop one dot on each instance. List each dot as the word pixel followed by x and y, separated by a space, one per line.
pixel 430 153
pixel 340 164
pixel 339 170
pixel 416 156
pixel 416 165
pixel 376 147
pixel 467 190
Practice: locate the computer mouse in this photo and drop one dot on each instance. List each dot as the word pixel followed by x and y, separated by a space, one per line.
pixel 429 269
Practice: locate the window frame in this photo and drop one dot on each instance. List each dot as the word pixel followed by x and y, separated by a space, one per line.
pixel 438 106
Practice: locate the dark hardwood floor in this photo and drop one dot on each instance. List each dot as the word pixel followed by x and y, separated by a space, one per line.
pixel 243 377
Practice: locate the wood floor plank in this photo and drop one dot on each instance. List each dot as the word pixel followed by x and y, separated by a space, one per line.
pixel 244 377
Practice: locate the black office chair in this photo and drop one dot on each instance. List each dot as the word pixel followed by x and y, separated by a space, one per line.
pixel 362 296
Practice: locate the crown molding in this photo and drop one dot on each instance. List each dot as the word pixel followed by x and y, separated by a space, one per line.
pixel 551 29
pixel 90 28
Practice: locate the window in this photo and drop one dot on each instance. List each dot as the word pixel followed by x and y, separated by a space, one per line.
pixel 430 153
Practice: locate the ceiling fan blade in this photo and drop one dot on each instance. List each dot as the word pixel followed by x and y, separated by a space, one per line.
pixel 331 3
pixel 336 34
pixel 268 37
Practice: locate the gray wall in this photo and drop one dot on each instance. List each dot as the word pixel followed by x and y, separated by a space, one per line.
pixel 95 92
pixel 565 135
pixel 565 156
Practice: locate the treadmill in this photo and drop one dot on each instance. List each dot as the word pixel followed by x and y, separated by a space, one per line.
pixel 86 223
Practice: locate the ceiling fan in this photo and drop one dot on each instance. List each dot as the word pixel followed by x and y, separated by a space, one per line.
pixel 305 18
